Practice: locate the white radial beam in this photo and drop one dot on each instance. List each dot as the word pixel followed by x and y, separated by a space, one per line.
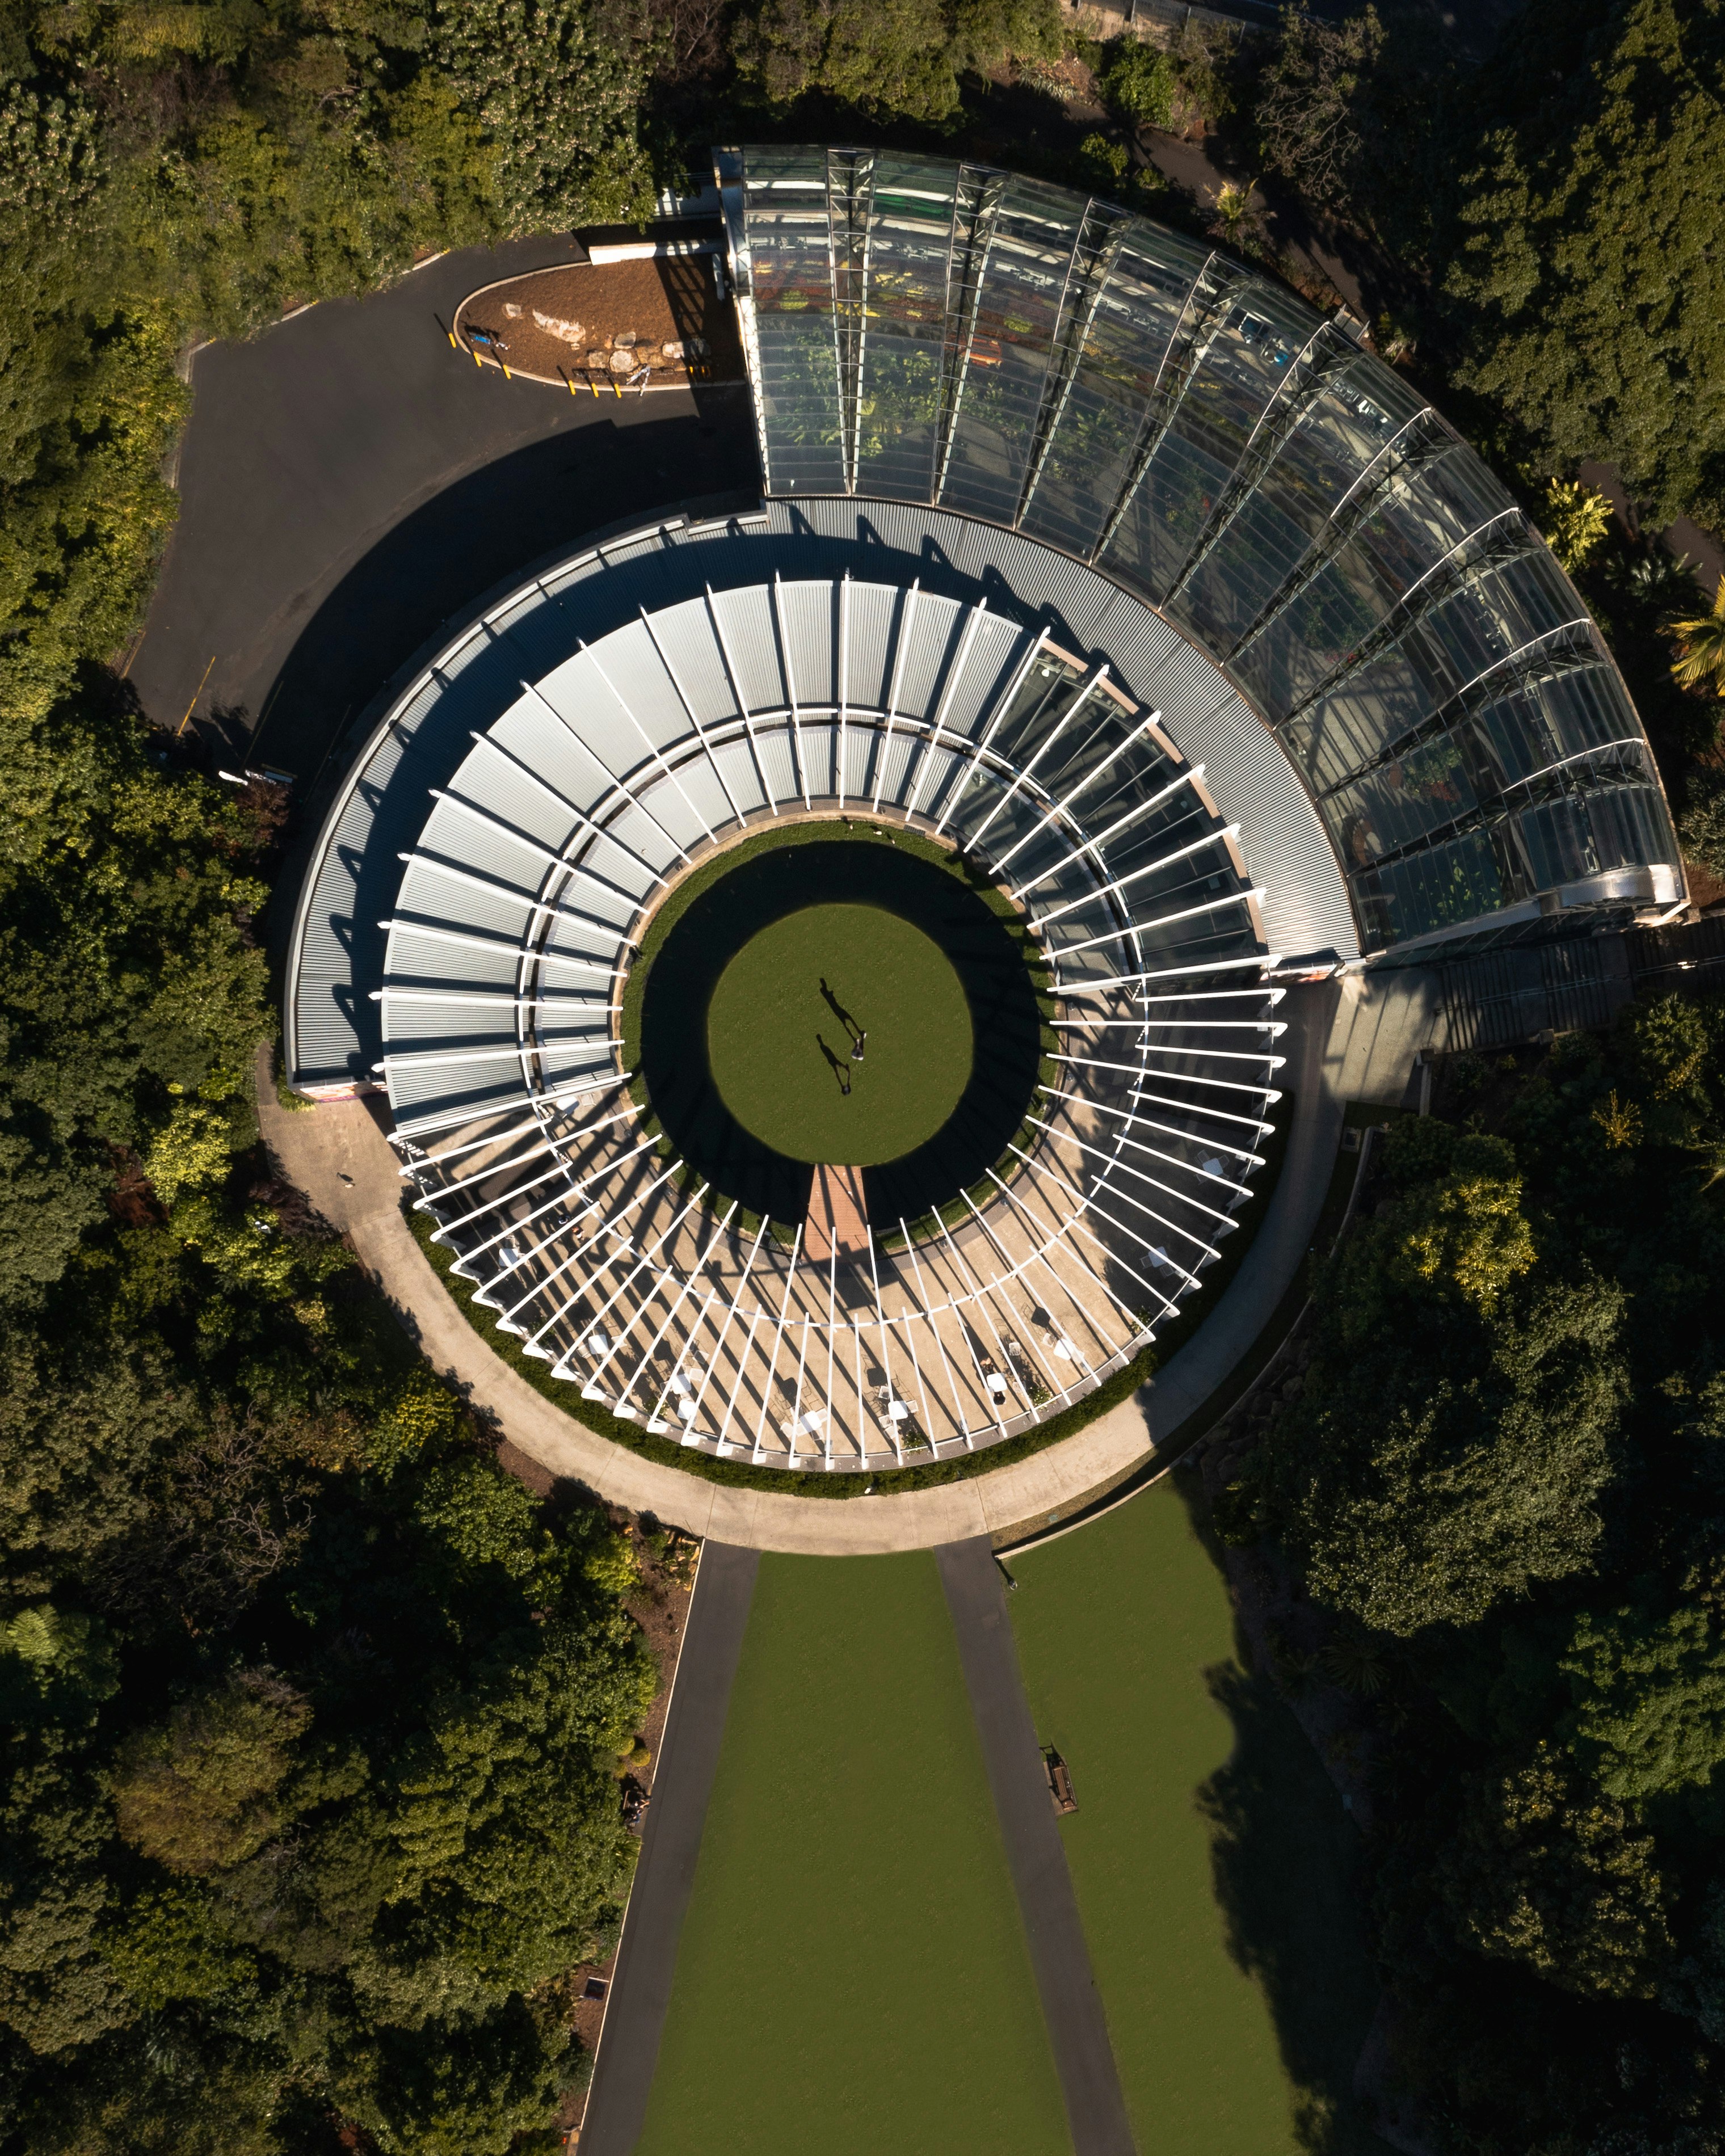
pixel 1262 962
pixel 546 1143
pixel 1111 1161
pixel 1003 704
pixel 924 1311
pixel 595 925
pixel 1073 1225
pixel 1274 1027
pixel 771 1376
pixel 627 793
pixel 1017 1272
pixel 530 1342
pixel 1137 875
pixel 560 800
pixel 738 697
pixel 1023 775
pixel 654 752
pixel 1162 920
pixel 1203 1107
pixel 906 621
pixel 1135 1327
pixel 1095 845
pixel 502 1138
pixel 1090 1205
pixel 557 1228
pixel 547 854
pixel 978 1302
pixel 724 1333
pixel 1060 808
pixel 675 681
pixel 798 760
pixel 979 614
pixel 689 1277
pixel 495 944
pixel 843 679
pixel 1169 1129
pixel 641 1264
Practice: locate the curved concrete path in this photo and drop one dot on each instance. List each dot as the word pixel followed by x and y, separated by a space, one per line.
pixel 337 1154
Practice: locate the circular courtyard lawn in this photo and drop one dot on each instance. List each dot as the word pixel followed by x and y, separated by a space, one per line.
pixel 757 981
pixel 796 1002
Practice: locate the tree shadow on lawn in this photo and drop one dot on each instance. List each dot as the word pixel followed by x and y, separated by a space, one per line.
pixel 1287 1865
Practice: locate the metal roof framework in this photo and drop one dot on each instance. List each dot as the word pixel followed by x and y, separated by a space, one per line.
pixel 1058 366
pixel 522 894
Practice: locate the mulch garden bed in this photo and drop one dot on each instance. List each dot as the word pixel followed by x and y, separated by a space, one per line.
pixel 643 324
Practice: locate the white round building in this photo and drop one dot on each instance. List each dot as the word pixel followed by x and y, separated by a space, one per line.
pixel 1111 623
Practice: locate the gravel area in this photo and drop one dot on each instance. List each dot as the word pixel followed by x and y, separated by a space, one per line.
pixel 637 324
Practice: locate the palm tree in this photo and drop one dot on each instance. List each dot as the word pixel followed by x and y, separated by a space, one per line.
pixel 1236 213
pixel 1701 657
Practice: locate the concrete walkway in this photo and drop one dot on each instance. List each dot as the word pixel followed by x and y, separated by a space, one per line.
pixel 337 1154
pixel 1071 2005
pixel 671 1847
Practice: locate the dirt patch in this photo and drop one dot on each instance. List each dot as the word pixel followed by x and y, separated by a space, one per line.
pixel 640 324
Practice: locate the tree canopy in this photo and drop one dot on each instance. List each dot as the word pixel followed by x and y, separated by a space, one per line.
pixel 1589 254
pixel 1504 1484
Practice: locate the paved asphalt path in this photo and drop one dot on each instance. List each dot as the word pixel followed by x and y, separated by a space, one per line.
pixel 665 1877
pixel 348 483
pixel 1071 2006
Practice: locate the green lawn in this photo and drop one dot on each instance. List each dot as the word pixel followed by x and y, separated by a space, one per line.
pixel 769 1020
pixel 853 1978
pixel 1210 1854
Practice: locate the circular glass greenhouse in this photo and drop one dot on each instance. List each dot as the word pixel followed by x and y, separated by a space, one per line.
pixel 821 961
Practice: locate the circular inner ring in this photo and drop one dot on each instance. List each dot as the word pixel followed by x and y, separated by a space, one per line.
pixel 747 1059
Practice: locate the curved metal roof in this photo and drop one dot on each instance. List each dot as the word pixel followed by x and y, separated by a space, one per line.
pixel 598 777
pixel 424 732
pixel 950 335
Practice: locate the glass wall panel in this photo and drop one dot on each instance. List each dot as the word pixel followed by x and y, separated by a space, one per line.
pixel 1030 255
pixel 1091 455
pixel 1363 576
pixel 910 244
pixel 790 252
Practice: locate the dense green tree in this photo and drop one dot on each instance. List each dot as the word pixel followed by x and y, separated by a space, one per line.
pixel 1540 1869
pixel 1138 81
pixel 1589 265
pixel 1454 1439
pixel 886 57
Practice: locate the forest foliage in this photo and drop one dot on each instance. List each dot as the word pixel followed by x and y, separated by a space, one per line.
pixel 1504 1482
pixel 309 1715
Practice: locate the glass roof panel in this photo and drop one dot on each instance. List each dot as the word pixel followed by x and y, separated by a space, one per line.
pixel 1196 430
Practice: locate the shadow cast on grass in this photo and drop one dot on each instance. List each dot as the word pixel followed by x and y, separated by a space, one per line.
pixel 1286 1862
pixel 978 945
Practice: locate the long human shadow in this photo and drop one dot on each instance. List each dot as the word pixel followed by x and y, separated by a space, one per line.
pixel 492 524
pixel 984 951
pixel 1286 1860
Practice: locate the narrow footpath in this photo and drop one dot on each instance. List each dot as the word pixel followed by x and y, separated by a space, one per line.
pixel 1071 2005
pixel 664 1875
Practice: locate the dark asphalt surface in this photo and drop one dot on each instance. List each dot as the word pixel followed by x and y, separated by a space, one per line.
pixel 664 1876
pixel 348 483
pixel 1071 2005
